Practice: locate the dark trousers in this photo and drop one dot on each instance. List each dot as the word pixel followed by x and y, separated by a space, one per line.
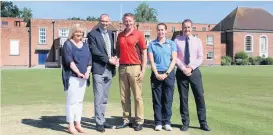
pixel 195 80
pixel 162 92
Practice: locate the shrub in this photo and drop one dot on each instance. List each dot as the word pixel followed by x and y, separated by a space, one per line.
pixel 255 60
pixel 267 61
pixel 241 58
pixel 241 61
pixel 226 60
pixel 241 55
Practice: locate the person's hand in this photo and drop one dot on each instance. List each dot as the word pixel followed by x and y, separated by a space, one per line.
pixel 80 75
pixel 86 75
pixel 112 61
pixel 117 60
pixel 164 76
pixel 140 76
pixel 159 77
pixel 187 71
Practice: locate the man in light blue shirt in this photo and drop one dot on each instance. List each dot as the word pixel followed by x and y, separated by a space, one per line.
pixel 162 54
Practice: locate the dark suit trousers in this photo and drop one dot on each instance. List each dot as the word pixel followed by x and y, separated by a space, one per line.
pixel 162 92
pixel 195 80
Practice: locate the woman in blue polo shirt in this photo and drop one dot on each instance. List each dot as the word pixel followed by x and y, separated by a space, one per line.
pixel 77 62
pixel 162 54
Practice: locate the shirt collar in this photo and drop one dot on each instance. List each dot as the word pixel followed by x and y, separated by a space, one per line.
pixel 132 33
pixel 102 31
pixel 157 42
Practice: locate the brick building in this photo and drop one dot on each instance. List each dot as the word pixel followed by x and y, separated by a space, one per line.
pixel 38 42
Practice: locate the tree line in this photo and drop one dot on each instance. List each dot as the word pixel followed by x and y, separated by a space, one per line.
pixel 143 13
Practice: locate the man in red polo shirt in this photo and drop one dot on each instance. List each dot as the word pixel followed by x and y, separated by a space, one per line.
pixel 132 52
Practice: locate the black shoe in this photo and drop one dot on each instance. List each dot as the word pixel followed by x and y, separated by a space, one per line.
pixel 124 125
pixel 106 125
pixel 205 127
pixel 138 127
pixel 100 128
pixel 184 128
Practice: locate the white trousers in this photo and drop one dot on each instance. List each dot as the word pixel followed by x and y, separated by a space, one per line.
pixel 74 99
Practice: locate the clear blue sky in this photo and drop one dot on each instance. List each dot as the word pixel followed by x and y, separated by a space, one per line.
pixel 199 12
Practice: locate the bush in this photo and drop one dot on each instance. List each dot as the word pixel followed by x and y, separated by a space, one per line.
pixel 241 55
pixel 241 61
pixel 241 58
pixel 267 61
pixel 255 60
pixel 226 60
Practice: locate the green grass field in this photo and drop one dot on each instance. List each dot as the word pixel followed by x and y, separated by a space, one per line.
pixel 239 99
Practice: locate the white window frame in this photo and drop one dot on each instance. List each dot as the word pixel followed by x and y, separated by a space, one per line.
pixel 42 35
pixel 204 28
pixel 251 43
pixel 63 32
pixel 173 28
pixel 265 51
pixel 209 42
pixel 147 32
pixel 195 35
pixel 193 28
pixel 211 56
pixel 13 52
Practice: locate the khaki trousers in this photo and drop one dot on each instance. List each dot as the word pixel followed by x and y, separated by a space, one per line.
pixel 128 76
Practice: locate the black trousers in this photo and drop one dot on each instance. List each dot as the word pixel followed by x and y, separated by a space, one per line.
pixel 162 92
pixel 195 80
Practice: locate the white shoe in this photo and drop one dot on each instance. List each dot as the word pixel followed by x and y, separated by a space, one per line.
pixel 168 127
pixel 158 127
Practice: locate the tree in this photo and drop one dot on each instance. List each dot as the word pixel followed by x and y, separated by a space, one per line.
pixel 75 18
pixel 26 13
pixel 89 18
pixel 9 10
pixel 144 13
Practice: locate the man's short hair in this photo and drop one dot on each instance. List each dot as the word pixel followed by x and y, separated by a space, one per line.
pixel 186 20
pixel 163 25
pixel 130 15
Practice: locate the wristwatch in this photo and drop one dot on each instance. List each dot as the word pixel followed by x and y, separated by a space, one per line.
pixel 167 73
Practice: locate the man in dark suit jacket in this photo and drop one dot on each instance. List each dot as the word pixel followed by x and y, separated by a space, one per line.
pixel 101 45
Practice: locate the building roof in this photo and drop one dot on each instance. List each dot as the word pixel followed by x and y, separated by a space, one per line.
pixel 245 18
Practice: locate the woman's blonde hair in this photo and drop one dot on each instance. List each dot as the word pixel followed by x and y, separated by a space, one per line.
pixel 74 28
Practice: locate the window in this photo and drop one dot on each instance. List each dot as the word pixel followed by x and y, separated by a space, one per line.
pixel 263 44
pixel 14 47
pixel 210 55
pixel 204 29
pixel 62 40
pixel 193 28
pixel 147 35
pixel 248 43
pixel 63 32
pixel 173 29
pixel 42 36
pixel 209 40
pixel 4 23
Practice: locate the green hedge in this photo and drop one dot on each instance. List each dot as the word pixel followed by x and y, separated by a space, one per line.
pixel 226 60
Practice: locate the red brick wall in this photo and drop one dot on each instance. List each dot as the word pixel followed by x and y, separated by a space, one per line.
pixel 217 48
pixel 11 32
pixel 238 41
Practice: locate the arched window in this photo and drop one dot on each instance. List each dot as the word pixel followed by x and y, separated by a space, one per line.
pixel 248 43
pixel 263 44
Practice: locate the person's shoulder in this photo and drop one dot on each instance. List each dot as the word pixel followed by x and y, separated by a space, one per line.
pixel 178 37
pixel 170 41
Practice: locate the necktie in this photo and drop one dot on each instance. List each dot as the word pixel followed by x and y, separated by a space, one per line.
pixel 107 44
pixel 187 52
